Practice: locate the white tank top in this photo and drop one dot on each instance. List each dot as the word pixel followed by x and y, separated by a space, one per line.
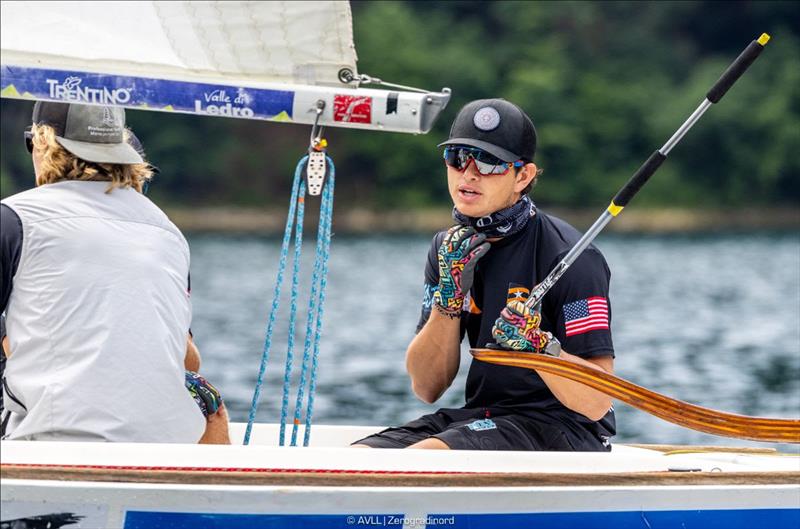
pixel 98 318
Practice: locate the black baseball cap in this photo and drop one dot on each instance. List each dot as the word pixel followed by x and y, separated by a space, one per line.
pixel 93 133
pixel 497 126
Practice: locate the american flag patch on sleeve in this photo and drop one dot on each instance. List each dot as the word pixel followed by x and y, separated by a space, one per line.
pixel 586 315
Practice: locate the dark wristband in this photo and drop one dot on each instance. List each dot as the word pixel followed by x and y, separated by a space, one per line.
pixel 452 314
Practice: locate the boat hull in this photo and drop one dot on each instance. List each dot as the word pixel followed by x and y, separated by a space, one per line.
pixel 328 486
pixel 149 506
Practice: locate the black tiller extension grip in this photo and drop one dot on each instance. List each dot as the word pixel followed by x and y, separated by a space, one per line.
pixel 734 71
pixel 639 179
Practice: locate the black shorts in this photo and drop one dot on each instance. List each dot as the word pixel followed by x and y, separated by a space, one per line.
pixel 473 430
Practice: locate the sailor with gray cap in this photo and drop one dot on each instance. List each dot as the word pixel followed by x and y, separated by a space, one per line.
pixel 92 133
pixel 94 287
pixel 478 275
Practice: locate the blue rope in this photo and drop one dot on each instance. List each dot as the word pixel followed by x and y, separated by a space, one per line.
pixel 326 218
pixel 276 297
pixel 323 235
pixel 298 248
pixel 309 326
pixel 315 308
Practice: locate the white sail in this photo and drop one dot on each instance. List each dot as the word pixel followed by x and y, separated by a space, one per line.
pixel 285 42
pixel 253 60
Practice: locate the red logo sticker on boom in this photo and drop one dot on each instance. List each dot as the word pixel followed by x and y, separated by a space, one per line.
pixel 352 109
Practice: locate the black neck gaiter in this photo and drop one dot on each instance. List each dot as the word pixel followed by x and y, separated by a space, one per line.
pixel 501 223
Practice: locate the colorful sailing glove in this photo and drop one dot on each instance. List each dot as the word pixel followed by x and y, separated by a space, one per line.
pixel 458 255
pixel 517 328
pixel 204 394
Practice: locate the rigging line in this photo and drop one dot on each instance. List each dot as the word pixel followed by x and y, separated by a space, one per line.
pixel 298 248
pixel 318 322
pixel 315 277
pixel 366 79
pixel 276 298
pixel 328 219
pixel 347 76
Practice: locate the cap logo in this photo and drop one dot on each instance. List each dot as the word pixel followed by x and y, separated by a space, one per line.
pixel 108 118
pixel 486 119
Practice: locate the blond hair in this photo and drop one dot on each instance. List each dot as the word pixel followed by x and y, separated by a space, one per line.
pixel 56 164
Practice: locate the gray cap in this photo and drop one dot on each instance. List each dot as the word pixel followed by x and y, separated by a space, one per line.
pixel 93 133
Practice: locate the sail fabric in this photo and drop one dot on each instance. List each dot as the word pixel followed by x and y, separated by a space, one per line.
pixel 278 42
pixel 275 61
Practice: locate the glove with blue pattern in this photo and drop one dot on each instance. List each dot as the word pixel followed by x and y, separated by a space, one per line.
pixel 458 255
pixel 517 328
pixel 204 394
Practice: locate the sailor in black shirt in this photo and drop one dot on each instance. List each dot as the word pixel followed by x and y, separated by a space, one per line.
pixel 478 275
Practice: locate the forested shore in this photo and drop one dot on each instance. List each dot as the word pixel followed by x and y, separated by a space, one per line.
pixel 606 83
pixel 358 220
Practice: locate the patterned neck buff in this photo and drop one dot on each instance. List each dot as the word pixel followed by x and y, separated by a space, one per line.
pixel 501 223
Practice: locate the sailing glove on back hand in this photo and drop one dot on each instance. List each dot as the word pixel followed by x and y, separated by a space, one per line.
pixel 458 255
pixel 204 394
pixel 517 328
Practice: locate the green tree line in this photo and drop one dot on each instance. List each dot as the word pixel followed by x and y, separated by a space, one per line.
pixel 605 83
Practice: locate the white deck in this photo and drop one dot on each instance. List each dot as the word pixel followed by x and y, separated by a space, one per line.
pixel 329 450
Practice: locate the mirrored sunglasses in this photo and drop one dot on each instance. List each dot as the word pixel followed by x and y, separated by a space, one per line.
pixel 486 164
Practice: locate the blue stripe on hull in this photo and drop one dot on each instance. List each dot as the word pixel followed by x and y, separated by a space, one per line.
pixel 711 519
pixel 176 520
pixel 708 519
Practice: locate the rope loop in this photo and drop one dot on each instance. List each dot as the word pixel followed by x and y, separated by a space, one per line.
pixel 316 304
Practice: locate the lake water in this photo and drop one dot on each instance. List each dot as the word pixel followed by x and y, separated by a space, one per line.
pixel 712 320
